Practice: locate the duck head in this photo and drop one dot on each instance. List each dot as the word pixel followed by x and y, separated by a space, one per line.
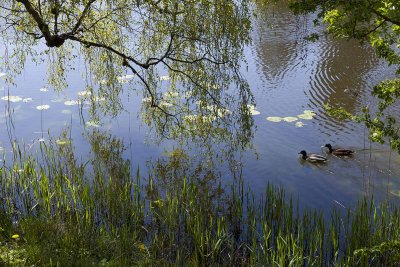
pixel 328 146
pixel 303 153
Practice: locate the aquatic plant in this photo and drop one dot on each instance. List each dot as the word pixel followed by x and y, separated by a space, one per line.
pixel 100 212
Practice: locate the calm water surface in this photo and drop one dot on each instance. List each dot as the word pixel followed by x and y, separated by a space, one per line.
pixel 286 75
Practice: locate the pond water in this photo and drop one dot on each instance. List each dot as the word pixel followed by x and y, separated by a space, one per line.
pixel 286 75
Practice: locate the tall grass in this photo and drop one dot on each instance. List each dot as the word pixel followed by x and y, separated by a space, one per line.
pixel 99 213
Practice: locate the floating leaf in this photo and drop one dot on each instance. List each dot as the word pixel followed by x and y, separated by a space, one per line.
pixel 171 94
pixel 42 107
pixel 309 112
pixel 99 99
pixel 306 116
pixel 43 89
pixel 221 112
pixel 146 100
pixel 299 124
pixel 164 78
pixel 290 119
pixel 84 93
pixel 93 124
pixel 125 79
pixel 62 142
pixel 71 102
pixel 253 110
pixel 274 119
pixel 28 99
pixel 11 98
pixel 165 104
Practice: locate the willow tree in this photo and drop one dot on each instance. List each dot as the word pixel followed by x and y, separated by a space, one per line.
pixel 196 45
pixel 370 21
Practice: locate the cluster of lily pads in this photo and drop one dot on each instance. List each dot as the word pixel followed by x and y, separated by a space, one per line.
pixel 306 115
pixel 82 94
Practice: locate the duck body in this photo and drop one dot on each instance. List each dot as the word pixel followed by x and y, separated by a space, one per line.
pixel 339 151
pixel 315 158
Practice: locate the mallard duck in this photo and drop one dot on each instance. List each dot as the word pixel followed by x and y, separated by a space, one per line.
pixel 339 151
pixel 312 157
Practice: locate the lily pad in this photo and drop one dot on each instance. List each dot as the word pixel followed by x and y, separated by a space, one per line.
pixel 290 119
pixel 171 94
pixel 165 104
pixel 274 119
pixel 84 93
pixel 42 107
pixel 99 99
pixel 11 98
pixel 71 102
pixel 62 142
pixel 94 124
pixel 309 112
pixel 253 110
pixel 125 78
pixel 146 100
pixel 299 124
pixel 306 116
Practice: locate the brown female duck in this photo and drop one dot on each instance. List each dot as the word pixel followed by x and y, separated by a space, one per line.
pixel 339 151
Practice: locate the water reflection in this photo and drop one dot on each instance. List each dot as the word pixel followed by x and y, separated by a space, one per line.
pixel 206 128
pixel 289 76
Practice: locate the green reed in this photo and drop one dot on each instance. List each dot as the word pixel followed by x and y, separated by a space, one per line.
pixel 99 212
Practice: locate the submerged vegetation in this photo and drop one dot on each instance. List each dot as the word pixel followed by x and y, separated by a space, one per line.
pixel 57 211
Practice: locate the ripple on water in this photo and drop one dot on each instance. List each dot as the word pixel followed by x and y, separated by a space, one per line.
pixel 338 79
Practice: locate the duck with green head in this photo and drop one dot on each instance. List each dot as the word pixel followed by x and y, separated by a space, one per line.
pixel 315 158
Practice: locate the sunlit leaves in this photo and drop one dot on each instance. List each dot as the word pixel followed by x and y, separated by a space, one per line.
pixel 379 23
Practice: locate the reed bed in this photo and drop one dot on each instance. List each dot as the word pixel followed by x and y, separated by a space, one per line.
pixel 56 211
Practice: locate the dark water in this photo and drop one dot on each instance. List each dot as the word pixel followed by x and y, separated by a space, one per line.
pixel 286 75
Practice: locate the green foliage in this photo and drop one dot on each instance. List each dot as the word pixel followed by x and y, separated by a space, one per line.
pixel 198 44
pixel 377 22
pixel 99 214
pixel 384 254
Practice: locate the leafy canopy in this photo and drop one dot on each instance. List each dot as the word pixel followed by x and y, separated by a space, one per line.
pixel 376 22
pixel 195 44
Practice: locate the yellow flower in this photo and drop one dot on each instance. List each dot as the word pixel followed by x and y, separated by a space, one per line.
pixel 141 246
pixel 15 236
